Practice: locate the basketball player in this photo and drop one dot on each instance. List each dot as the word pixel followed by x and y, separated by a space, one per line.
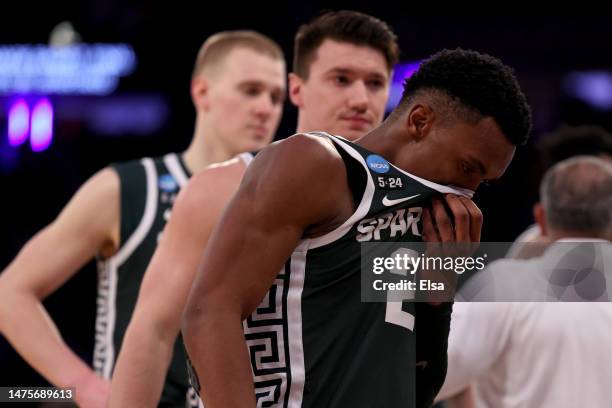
pixel 305 206
pixel 238 87
pixel 340 80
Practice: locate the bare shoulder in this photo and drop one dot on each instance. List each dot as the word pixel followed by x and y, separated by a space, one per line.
pixel 303 178
pixel 214 182
pixel 306 145
pixel 229 170
pixel 95 211
pixel 98 196
pixel 105 181
pixel 301 156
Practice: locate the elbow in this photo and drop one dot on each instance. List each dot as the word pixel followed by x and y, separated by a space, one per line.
pixel 208 316
pixel 13 300
pixel 8 307
pixel 7 300
pixel 193 316
pixel 202 317
pixel 3 305
pixel 157 326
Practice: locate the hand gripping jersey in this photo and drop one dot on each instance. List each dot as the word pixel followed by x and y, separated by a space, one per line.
pixel 313 343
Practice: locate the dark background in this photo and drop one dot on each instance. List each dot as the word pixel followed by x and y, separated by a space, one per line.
pixel 35 186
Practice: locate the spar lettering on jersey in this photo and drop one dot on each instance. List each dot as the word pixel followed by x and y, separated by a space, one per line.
pixel 390 225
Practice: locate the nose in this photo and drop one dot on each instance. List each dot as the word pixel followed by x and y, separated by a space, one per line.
pixel 474 183
pixel 469 184
pixel 263 107
pixel 358 96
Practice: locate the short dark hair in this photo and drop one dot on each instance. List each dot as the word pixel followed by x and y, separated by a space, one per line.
pixel 569 141
pixel 478 82
pixel 344 26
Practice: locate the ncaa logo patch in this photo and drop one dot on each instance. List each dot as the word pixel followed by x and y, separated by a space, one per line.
pixel 167 183
pixel 377 163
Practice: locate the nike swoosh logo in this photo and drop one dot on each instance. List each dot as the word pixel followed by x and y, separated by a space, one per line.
pixel 391 202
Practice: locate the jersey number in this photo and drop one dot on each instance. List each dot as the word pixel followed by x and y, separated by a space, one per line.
pixel 394 313
pixel 390 182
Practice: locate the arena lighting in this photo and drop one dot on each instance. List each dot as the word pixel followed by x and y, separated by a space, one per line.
pixel 82 69
pixel 18 123
pixel 401 72
pixel 37 123
pixel 592 87
pixel 41 134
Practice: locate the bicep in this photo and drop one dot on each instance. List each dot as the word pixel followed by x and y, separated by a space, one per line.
pixel 87 223
pixel 280 197
pixel 248 247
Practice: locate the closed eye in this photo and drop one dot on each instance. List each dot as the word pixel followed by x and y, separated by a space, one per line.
pixel 466 168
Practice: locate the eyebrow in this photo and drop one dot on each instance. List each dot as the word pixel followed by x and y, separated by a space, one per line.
pixel 341 70
pixel 257 82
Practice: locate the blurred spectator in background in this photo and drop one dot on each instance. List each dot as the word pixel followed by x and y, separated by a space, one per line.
pixel 530 354
pixel 565 142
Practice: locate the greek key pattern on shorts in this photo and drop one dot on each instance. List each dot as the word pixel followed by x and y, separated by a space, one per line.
pixel 266 338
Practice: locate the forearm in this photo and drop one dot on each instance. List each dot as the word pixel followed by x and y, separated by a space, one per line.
pixel 30 330
pixel 432 326
pixel 141 369
pixel 218 352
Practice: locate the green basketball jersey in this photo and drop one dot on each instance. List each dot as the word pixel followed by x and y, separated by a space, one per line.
pixel 313 342
pixel 148 189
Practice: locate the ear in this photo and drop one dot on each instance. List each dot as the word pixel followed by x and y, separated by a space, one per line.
pixel 199 93
pixel 295 90
pixel 418 121
pixel 539 214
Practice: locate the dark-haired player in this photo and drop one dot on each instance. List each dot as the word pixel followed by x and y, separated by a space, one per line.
pixel 291 236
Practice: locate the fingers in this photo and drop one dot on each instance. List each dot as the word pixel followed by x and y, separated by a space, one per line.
pixel 461 218
pixel 465 225
pixel 442 221
pixel 429 231
pixel 476 218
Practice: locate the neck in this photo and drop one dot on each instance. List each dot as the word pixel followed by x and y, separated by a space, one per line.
pixel 391 141
pixel 384 140
pixel 205 148
pixel 302 127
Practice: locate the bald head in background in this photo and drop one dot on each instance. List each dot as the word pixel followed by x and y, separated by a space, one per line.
pixel 576 199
